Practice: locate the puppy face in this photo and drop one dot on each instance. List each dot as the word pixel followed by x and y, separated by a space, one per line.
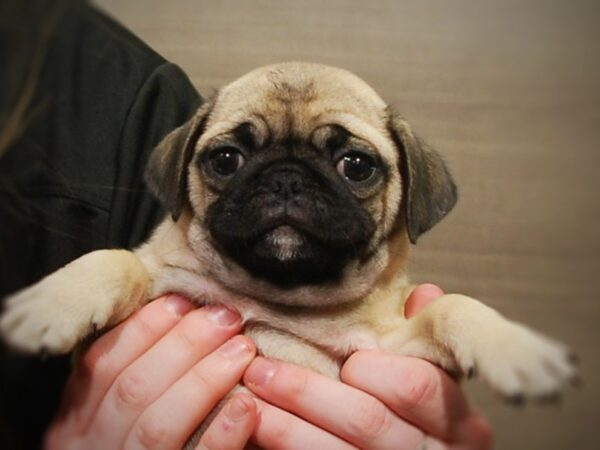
pixel 304 188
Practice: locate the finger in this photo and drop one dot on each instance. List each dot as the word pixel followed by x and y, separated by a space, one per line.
pixel 196 335
pixel 347 412
pixel 111 353
pixel 232 427
pixel 420 297
pixel 414 389
pixel 278 429
pixel 173 417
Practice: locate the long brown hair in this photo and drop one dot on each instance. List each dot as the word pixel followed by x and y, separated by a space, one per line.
pixel 22 50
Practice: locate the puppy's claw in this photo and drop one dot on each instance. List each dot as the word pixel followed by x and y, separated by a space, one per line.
pixel 44 353
pixel 573 358
pixel 471 372
pixel 576 381
pixel 517 399
pixel 94 329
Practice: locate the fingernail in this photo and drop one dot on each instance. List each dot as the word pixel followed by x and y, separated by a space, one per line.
pixel 178 305
pixel 260 371
pixel 235 347
pixel 222 316
pixel 430 291
pixel 238 408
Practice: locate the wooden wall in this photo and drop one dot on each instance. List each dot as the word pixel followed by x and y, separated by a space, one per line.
pixel 509 92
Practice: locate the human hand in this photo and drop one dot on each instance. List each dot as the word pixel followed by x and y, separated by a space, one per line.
pixel 149 382
pixel 385 401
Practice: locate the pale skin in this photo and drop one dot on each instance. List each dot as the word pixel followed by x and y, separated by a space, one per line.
pixel 150 381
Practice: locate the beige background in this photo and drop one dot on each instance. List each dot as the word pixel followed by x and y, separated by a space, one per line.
pixel 509 92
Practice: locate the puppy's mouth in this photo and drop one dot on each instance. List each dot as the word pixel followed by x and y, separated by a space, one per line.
pixel 284 242
pixel 287 254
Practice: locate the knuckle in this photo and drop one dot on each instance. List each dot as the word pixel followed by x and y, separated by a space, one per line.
pixel 143 326
pixel 130 391
pixel 371 420
pixel 202 381
pixel 419 386
pixel 296 383
pixel 187 333
pixel 279 435
pixel 216 435
pixel 96 362
pixel 150 432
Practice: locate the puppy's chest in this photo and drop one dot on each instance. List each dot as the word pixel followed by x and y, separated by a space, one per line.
pixel 316 339
pixel 279 344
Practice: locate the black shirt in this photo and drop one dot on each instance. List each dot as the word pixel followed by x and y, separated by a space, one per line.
pixel 73 182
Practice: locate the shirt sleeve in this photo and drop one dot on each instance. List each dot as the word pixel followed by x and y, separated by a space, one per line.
pixel 73 182
pixel 162 104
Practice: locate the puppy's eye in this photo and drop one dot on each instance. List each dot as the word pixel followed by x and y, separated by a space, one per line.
pixel 226 160
pixel 356 166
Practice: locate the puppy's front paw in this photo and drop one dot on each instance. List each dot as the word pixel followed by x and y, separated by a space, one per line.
pixel 519 363
pixel 52 315
pixel 43 318
pixel 97 289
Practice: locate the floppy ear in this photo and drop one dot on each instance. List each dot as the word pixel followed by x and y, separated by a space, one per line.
pixel 166 172
pixel 429 191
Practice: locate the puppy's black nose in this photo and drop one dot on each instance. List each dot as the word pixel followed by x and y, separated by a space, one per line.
pixel 286 183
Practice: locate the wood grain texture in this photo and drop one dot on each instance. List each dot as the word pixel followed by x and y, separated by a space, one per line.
pixel 508 92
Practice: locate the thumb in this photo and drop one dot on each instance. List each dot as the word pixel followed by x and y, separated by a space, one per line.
pixel 420 297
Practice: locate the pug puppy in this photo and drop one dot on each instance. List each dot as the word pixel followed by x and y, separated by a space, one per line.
pixel 294 196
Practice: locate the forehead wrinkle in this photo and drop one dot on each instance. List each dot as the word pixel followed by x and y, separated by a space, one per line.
pixel 287 119
pixel 224 120
pixel 294 100
pixel 261 124
pixel 375 134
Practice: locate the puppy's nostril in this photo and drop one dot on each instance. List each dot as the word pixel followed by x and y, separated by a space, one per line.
pixel 295 186
pixel 288 183
pixel 276 186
